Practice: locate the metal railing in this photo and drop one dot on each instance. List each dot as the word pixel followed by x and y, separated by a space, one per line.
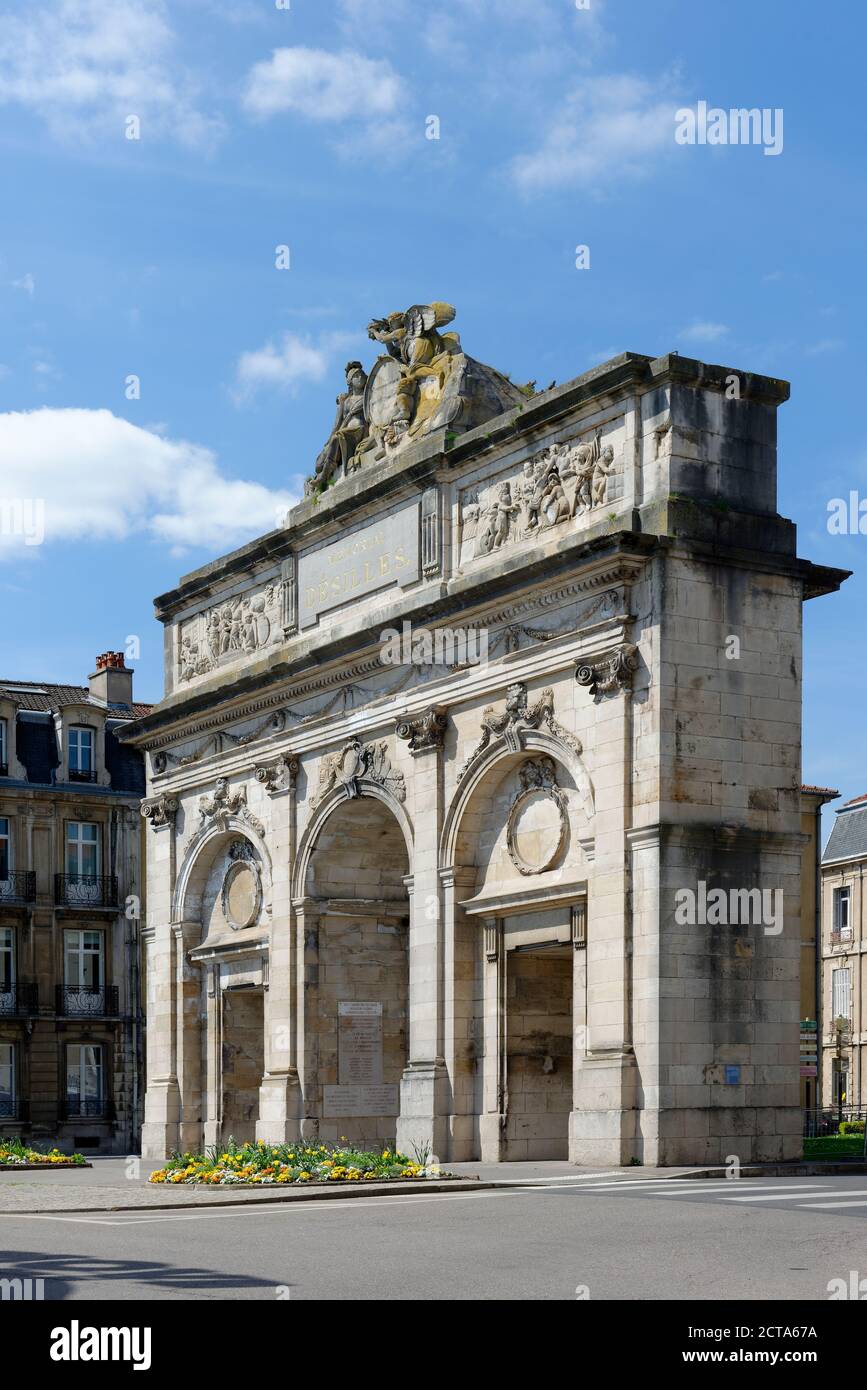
pixel 8 1107
pixel 78 774
pixel 81 1108
pixel 76 1001
pixel 18 886
pixel 827 1120
pixel 18 999
pixel 85 890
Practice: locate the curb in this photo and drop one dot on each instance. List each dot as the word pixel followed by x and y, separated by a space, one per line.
pixel 306 1194
pixel 44 1167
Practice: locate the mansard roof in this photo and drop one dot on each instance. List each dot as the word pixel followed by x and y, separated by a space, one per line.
pixel 848 839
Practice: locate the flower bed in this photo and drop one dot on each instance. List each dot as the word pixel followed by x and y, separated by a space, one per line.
pixel 277 1164
pixel 14 1154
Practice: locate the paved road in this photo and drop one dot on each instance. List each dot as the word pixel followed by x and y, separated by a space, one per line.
pixel 620 1237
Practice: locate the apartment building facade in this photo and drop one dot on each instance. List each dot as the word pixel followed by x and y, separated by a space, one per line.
pixel 71 902
pixel 844 940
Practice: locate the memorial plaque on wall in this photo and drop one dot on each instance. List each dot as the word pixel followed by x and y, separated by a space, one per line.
pixel 376 556
pixel 359 1043
pixel 361 1101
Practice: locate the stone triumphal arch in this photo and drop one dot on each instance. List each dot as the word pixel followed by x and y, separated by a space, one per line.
pixel 431 896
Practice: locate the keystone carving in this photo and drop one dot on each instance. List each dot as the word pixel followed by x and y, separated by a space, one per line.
pixel 356 761
pixel 224 804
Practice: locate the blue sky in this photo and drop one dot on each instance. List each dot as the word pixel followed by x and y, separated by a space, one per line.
pixel 263 126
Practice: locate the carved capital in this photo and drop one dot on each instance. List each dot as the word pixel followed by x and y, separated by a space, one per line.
pixel 280 776
pixel 426 732
pixel 612 673
pixel 160 810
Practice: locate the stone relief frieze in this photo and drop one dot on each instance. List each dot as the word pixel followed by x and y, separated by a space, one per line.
pixel 230 630
pixel 560 484
pixel 355 761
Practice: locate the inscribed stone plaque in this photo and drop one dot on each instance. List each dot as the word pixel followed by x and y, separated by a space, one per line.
pixel 359 1101
pixel 376 556
pixel 359 1044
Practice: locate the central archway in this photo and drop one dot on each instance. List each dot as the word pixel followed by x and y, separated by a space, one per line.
pixel 356 961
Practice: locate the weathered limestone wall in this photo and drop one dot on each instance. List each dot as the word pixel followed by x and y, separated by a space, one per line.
pixel 632 736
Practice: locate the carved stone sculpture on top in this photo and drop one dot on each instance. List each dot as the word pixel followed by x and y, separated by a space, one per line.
pixel 350 434
pixel 225 804
pixel 424 382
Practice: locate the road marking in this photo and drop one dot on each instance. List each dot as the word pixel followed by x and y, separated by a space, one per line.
pixel 780 1194
pixel 828 1205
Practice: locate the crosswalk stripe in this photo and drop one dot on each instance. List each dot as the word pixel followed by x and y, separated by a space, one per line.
pixel 828 1205
pixel 780 1194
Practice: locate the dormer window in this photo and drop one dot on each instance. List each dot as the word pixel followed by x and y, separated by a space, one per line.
pixel 82 767
pixel 4 748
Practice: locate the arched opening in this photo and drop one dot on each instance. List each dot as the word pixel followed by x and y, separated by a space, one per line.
pixel 520 838
pixel 224 906
pixel 356 930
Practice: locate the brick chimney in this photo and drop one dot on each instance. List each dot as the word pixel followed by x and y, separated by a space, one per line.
pixel 111 682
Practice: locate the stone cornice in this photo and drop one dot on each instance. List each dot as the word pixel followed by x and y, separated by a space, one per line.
pixel 607 562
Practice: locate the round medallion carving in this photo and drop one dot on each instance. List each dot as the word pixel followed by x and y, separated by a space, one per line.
pixel 242 892
pixel 538 824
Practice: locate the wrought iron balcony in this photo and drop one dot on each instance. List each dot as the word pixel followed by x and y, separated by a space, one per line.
pixel 80 774
pixel 19 999
pixel 838 937
pixel 76 1001
pixel 18 886
pixel 4 769
pixel 86 1107
pixel 8 1107
pixel 85 890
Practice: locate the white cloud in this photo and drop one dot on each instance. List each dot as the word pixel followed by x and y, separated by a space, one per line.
pixel 823 346
pixel 704 332
pixel 26 283
pixel 289 363
pixel 323 86
pixel 609 128
pixel 83 66
pixel 102 478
